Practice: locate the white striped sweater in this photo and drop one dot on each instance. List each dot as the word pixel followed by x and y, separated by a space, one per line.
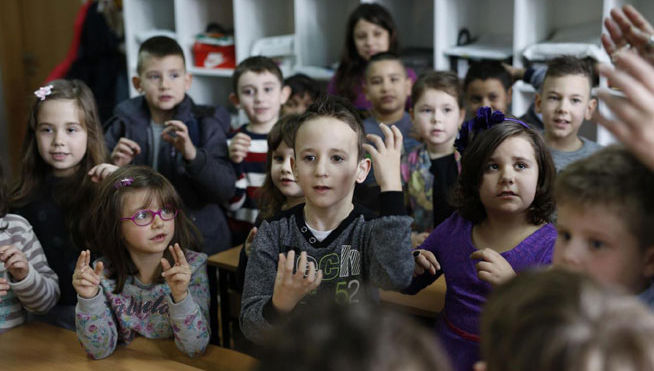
pixel 39 291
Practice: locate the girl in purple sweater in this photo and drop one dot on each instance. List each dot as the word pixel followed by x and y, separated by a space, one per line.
pixel 501 226
pixel 145 284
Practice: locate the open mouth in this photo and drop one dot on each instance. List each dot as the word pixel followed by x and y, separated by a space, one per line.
pixel 59 155
pixel 321 189
pixel 158 238
pixel 287 181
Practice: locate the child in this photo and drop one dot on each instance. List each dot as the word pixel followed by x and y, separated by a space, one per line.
pixel 388 87
pixel 259 91
pixel 304 91
pixel 564 101
pixel 487 83
pixel 352 337
pixel 280 191
pixel 562 321
pixel 503 202
pixel 370 30
pixel 142 285
pixel 63 142
pixel 338 247
pixel 186 143
pixel 430 171
pixel 26 280
pixel 605 213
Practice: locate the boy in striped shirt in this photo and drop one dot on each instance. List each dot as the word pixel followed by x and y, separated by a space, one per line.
pixel 260 92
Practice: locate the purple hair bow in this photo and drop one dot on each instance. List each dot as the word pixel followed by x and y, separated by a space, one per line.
pixel 484 120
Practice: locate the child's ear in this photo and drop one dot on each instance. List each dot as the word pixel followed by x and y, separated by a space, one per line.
pixel 509 95
pixel 409 84
pixel 648 258
pixel 537 102
pixel 188 79
pixel 592 105
pixel 233 99
pixel 136 82
pixel 363 170
pixel 286 93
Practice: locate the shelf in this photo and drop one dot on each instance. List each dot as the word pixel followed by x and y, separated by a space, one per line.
pixel 216 72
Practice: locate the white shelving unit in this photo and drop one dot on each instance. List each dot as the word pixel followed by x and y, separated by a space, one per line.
pixel 506 27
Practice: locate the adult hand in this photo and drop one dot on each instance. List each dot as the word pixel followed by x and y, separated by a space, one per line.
pixel 86 279
pixel 176 133
pixel 492 267
pixel 291 287
pixel 178 275
pixel 386 155
pixel 124 152
pixel 238 147
pixel 634 116
pixel 15 262
pixel 627 26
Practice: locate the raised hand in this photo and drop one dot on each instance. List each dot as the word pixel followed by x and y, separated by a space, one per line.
pixel 627 27
pixel 238 147
pixel 177 276
pixel 386 155
pixel 634 116
pixel 176 133
pixel 291 287
pixel 124 152
pixel 86 279
pixel 101 171
pixel 15 262
pixel 492 267
pixel 425 262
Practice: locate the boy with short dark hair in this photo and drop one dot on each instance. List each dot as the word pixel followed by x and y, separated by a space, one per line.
pixel 260 93
pixel 330 246
pixel 185 142
pixel 564 102
pixel 304 91
pixel 487 83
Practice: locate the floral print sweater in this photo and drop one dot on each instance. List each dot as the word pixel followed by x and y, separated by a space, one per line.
pixel 146 310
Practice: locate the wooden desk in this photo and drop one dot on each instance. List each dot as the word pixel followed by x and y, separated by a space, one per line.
pixel 226 262
pixel 427 303
pixel 38 346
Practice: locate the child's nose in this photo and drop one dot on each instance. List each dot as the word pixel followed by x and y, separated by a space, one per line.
pixel 58 139
pixel 570 254
pixel 321 168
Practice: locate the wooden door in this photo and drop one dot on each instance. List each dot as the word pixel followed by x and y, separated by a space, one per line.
pixel 34 37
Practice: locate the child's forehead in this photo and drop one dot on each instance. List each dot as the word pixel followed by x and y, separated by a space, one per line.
pixel 386 67
pixel 63 110
pixel 435 96
pixel 141 198
pixel 264 77
pixel 572 83
pixel 313 132
pixel 489 84
pixel 158 63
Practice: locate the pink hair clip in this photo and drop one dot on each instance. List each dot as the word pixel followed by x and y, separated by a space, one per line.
pixel 123 182
pixel 43 92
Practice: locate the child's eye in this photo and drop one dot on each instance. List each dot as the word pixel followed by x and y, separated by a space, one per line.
pixel 278 158
pixel 174 75
pixel 576 100
pixel 553 98
pixel 596 244
pixel 491 167
pixel 337 158
pixel 521 166
pixel 247 91
pixel 154 76
pixel 45 129
pixel 447 109
pixel 563 235
pixel 309 158
pixel 141 215
pixel 377 33
pixel 426 110
pixel 268 89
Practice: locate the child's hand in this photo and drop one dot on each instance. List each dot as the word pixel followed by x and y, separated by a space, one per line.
pixel 124 152
pixel 386 157
pixel 86 279
pixel 627 27
pixel 179 275
pixel 176 133
pixel 4 288
pixel 15 262
pixel 238 147
pixel 101 171
pixel 492 267
pixel 418 238
pixel 291 287
pixel 247 245
pixel 634 116
pixel 425 262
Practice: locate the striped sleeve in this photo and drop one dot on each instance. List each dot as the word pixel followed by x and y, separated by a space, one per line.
pixel 39 291
pixel 250 175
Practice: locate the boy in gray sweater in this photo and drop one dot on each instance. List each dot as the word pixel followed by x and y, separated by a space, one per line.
pixel 329 246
